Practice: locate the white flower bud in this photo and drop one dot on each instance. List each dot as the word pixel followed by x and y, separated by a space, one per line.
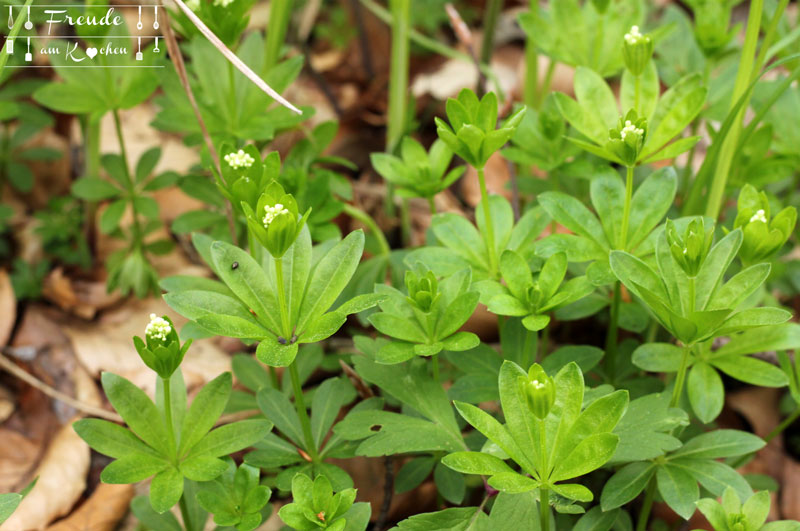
pixel 239 159
pixel 158 328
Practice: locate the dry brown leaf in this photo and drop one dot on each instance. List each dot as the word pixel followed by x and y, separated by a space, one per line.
pixel 107 505
pixel 62 480
pixel 8 308
pixel 790 490
pixel 6 404
pixel 16 460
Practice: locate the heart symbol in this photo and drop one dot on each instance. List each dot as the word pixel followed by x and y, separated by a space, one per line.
pixel 91 52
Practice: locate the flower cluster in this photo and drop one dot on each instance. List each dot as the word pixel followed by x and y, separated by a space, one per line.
pixel 627 140
pixel 759 216
pixel 270 212
pixel 630 128
pixel 540 391
pixel 637 49
pixel 764 234
pixel 239 159
pixel 158 328
pixel 691 249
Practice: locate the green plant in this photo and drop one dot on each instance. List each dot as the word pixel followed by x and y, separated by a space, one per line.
pixel 235 498
pixel 315 506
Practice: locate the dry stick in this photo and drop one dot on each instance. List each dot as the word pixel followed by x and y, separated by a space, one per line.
pixel 363 40
pixel 233 59
pixel 180 67
pixel 31 380
pixel 388 491
pixel 464 35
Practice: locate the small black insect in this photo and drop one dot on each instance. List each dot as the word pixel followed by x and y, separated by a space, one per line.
pixel 235 265
pixel 281 340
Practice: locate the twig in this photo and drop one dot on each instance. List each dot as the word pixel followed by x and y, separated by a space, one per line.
pixel 230 56
pixel 388 492
pixel 363 40
pixel 514 190
pixel 31 380
pixel 180 67
pixel 464 35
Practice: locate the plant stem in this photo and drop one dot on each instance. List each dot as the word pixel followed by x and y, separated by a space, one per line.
pixel 398 84
pixel 300 404
pixel 136 227
pixel 435 367
pixel 611 337
pixel 527 348
pixel 542 344
pixel 677 391
pixel 184 512
pixel 692 295
pixel 280 12
pixel 548 81
pixel 168 413
pixel 487 217
pixel 531 89
pixel 544 509
pixel 356 213
pixel 405 222
pixel 432 205
pixel 287 332
pixel 647 505
pixel 637 90
pixel 490 16
pixel 777 430
pixel 731 140
pixel 626 213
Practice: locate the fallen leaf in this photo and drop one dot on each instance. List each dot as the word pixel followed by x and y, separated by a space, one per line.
pixel 16 460
pixel 8 308
pixel 107 505
pixel 6 404
pixel 62 480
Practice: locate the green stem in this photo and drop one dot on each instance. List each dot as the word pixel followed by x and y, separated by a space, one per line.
pixel 731 140
pixel 405 222
pixel 168 412
pixel 531 89
pixel 544 493
pixel 487 217
pixel 637 90
pixel 548 81
pixel 769 36
pixel 692 295
pixel 184 512
pixel 300 404
pixel 435 367
pixel 369 222
pixel 287 332
pixel 542 344
pixel 432 205
pixel 544 509
pixel 490 16
pixel 611 337
pixel 677 391
pixel 135 227
pixel 280 12
pixel 647 505
pixel 398 84
pixel 626 212
pixel 527 348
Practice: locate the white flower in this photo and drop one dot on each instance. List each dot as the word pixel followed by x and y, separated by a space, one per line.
pixel 239 159
pixel 223 3
pixel 759 216
pixel 630 128
pixel 633 36
pixel 272 211
pixel 158 328
pixel 537 384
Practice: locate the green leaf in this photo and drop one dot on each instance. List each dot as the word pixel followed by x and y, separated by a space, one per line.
pixel 271 352
pixel 706 392
pixel 592 453
pixel 206 408
pixel 456 314
pixel 495 432
pixel 780 337
pixel 674 120
pixel 645 431
pixel 94 189
pixel 608 199
pixel 715 476
pixel 461 237
pixel 137 410
pixel 280 411
pixel 476 463
pixel 510 510
pixel 166 489
pixel 219 313
pixel 751 370
pixel 752 318
pixel 719 443
pixel 585 121
pixel 713 269
pixel 454 519
pixel 595 96
pixel 626 484
pixel 649 90
pixel 678 488
pixel 231 438
pixel 133 468
pixel 387 433
pixel 650 204
pixel 329 278
pixel 571 213
pixel 110 439
pixel 202 468
pixel 512 483
pixel 519 421
pixel 449 483
pixel 413 473
pixel 329 397
pixel 141 508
